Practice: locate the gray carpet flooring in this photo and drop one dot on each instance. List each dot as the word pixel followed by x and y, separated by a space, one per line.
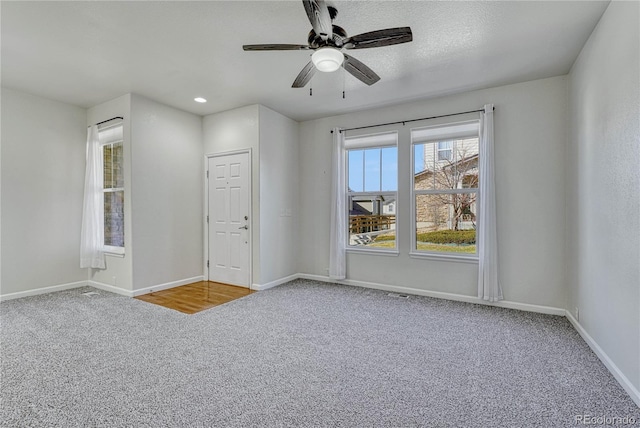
pixel 303 354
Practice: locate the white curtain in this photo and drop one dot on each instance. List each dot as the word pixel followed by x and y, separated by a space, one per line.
pixel 488 284
pixel 92 234
pixel 338 238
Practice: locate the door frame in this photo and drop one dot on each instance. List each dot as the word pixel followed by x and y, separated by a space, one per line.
pixel 205 223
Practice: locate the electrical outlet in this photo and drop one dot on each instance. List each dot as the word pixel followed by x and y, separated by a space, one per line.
pixel 577 312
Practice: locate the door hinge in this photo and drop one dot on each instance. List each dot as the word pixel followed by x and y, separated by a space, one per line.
pixel 207 263
pixel 207 219
pixel 207 173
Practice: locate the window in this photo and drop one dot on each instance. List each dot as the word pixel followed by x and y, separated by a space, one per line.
pixel 445 150
pixel 111 143
pixel 372 187
pixel 445 189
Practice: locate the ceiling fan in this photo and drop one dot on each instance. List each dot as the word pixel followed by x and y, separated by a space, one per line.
pixel 328 40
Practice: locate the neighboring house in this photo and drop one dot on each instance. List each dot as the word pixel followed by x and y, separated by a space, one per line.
pixel 377 205
pixel 448 165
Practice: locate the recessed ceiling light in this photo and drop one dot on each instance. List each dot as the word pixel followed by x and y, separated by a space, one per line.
pixel 200 100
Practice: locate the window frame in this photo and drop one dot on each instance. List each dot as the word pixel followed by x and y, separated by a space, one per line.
pixel 112 249
pixel 371 194
pixel 453 137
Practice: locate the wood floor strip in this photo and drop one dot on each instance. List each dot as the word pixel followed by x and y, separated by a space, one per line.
pixel 196 297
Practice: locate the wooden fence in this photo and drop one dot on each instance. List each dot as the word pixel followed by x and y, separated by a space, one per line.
pixel 370 223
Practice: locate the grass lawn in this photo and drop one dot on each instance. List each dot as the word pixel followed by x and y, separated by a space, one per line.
pixel 427 246
pixel 442 241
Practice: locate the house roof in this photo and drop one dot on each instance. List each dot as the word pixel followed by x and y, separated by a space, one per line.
pixel 427 172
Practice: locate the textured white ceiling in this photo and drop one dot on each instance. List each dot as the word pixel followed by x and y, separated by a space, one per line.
pixel 85 53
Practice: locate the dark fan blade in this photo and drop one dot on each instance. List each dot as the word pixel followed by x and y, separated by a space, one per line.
pixel 374 39
pixel 319 17
pixel 359 70
pixel 274 47
pixel 305 75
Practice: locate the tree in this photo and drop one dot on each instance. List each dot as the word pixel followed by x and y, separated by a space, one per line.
pixel 457 168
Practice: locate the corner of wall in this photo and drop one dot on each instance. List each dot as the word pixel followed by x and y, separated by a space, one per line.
pixel 602 189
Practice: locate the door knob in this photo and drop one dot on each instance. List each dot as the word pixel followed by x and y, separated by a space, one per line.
pixel 245 227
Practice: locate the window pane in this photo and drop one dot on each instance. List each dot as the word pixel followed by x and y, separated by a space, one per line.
pixel 112 165
pixel 114 218
pixel 355 159
pixel 117 166
pixel 466 156
pixel 446 165
pixel 107 156
pixel 373 170
pixel 372 173
pixel 390 169
pixel 418 158
pixel 372 221
pixel 446 223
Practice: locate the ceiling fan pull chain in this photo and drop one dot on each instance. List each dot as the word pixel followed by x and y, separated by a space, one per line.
pixel 343 84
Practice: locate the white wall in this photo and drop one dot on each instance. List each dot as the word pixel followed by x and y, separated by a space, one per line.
pixel 238 129
pixel 279 191
pixel 119 270
pixel 603 188
pixel 43 151
pixel 167 188
pixel 530 135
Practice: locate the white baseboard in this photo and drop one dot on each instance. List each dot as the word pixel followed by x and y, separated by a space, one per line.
pixel 167 285
pixel 609 364
pixel 271 284
pixel 103 286
pixel 541 309
pixel 440 295
pixel 110 288
pixel 316 277
pixel 43 290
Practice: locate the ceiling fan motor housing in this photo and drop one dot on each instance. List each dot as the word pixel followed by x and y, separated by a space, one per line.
pixel 339 34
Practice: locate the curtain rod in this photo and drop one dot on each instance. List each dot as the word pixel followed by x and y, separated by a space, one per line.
pixel 109 120
pixel 412 120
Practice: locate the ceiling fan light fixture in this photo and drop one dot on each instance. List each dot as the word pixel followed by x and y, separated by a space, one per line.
pixel 327 59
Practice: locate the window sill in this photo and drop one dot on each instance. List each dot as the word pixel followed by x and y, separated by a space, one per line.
pixel 368 251
pixel 444 257
pixel 113 251
pixel 120 255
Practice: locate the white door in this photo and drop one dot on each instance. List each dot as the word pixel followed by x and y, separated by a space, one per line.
pixel 229 195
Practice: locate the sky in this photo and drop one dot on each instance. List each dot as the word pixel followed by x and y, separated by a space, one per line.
pixel 380 166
